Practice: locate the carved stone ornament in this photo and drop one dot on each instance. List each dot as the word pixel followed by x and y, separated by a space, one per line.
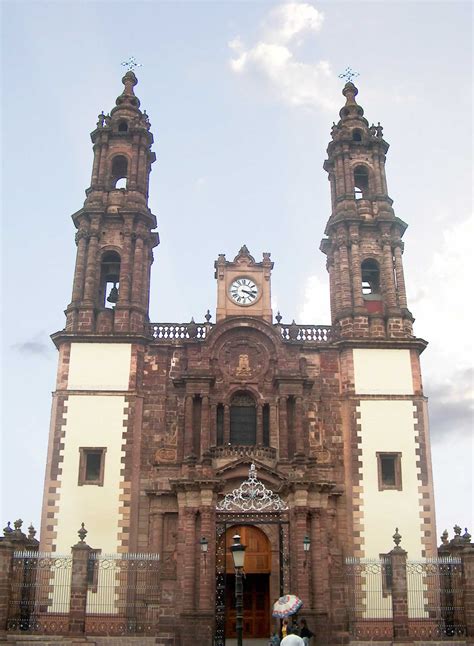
pixel 252 496
pixel 243 359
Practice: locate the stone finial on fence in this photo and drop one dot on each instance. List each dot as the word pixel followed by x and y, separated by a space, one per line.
pixel 82 533
pixel 397 537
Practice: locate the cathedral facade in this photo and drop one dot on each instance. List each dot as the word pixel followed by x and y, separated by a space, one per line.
pixel 155 426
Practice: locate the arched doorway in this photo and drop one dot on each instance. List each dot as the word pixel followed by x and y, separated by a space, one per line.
pixel 256 582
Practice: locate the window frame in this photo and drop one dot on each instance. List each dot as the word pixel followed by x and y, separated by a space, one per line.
pixel 84 451
pixel 397 457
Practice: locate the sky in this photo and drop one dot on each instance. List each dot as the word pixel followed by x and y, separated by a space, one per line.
pixel 241 97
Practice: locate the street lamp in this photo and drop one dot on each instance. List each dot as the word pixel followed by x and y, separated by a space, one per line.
pixel 306 546
pixel 238 555
pixel 204 544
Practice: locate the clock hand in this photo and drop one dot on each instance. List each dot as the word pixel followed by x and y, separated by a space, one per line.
pixel 251 293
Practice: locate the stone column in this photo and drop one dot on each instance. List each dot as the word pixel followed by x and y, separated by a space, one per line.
pixel 398 558
pixel 402 294
pixel 337 282
pixel 91 269
pixel 320 575
pixel 156 532
pixel 283 428
pixel 213 425
pixel 259 425
pixel 332 287
pixel 137 270
pixel 299 440
pixel 274 435
pixel 303 564
pixel 226 424
pixel 467 558
pixel 346 297
pixel 188 583
pixel 356 269
pixel 6 561
pixel 78 595
pixel 389 279
pixel 205 588
pixel 205 430
pixel 125 269
pixel 78 285
pixel 188 426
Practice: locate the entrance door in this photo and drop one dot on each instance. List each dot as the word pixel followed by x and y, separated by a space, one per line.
pixel 256 583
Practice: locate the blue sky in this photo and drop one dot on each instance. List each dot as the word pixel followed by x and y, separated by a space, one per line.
pixel 241 96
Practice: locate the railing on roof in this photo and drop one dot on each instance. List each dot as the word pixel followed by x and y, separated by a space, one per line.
pixel 293 333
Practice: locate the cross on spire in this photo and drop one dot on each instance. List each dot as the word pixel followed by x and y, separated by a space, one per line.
pixel 131 64
pixel 348 74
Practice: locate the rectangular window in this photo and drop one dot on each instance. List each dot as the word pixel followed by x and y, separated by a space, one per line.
pixel 266 424
pixel 91 465
pixel 389 467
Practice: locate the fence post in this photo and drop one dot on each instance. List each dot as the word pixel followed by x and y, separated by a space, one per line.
pixel 6 559
pixel 78 595
pixel 467 559
pixel 398 558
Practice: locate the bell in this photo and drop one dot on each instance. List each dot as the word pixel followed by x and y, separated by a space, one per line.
pixel 113 296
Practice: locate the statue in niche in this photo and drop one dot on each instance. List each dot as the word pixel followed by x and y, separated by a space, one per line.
pixel 243 368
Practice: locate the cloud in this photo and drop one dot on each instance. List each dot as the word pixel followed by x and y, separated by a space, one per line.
pixel 33 347
pixel 274 58
pixel 439 297
pixel 452 405
pixel 315 308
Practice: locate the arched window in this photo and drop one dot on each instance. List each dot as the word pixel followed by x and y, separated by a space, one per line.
pixel 119 172
pixel 370 277
pixel 243 420
pixel 109 279
pixel 361 182
pixel 356 135
pixel 123 126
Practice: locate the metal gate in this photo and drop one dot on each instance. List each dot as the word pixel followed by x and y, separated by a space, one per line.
pixel 251 504
pixel 223 522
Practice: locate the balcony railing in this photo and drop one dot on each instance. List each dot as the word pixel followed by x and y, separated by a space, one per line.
pixel 192 331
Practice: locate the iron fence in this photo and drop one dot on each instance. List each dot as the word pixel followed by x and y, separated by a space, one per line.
pixel 435 602
pixel 368 587
pixel 434 598
pixel 122 596
pixel 40 592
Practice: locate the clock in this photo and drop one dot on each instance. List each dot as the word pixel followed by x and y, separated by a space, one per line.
pixel 243 291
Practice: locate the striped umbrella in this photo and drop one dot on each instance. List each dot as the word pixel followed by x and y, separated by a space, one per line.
pixel 287 605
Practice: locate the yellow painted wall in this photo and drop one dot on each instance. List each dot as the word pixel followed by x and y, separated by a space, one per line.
pixel 388 426
pixel 91 421
pixel 99 366
pixel 382 372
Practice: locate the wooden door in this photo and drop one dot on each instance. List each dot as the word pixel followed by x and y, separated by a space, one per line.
pixel 256 606
pixel 256 582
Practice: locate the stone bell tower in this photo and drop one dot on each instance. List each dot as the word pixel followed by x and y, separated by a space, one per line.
pixel 97 405
pixel 363 244
pixel 115 234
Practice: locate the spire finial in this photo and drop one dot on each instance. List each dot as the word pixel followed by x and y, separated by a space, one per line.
pixel 348 74
pixel 131 64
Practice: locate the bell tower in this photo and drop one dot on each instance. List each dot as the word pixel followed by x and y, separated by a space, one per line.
pixel 115 234
pixel 364 237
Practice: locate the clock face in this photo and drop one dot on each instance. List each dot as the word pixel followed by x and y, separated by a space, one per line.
pixel 243 291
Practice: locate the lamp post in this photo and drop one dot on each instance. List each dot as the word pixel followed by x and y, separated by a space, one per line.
pixel 238 555
pixel 204 544
pixel 306 546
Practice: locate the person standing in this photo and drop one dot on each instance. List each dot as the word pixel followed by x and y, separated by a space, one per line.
pixel 305 632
